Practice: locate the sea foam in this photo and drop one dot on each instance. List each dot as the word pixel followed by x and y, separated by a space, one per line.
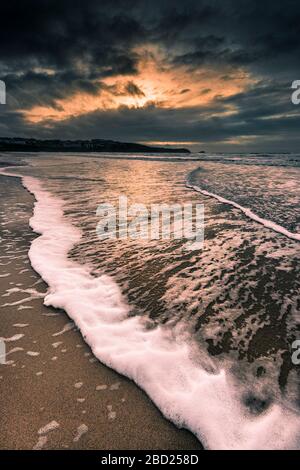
pixel 248 212
pixel 162 361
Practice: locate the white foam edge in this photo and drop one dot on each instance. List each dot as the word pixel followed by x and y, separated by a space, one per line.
pixel 169 369
pixel 248 212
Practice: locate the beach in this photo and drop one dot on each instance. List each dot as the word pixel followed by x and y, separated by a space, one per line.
pixel 54 394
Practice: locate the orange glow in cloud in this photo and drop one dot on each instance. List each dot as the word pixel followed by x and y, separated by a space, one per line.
pixel 155 83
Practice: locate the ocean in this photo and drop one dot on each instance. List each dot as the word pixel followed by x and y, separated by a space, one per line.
pixel 207 333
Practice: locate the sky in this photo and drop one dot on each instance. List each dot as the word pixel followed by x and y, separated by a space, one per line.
pixel 210 75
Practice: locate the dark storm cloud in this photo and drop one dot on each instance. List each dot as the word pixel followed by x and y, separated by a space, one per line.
pixel 51 49
pixel 134 90
pixel 57 34
pixel 64 34
pixel 32 88
pixel 261 35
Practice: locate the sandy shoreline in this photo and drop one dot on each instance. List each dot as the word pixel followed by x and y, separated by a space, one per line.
pixel 51 377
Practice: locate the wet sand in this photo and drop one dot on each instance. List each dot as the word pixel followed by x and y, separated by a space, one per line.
pixel 51 376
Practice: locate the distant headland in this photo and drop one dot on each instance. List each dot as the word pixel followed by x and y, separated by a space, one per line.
pixel 18 144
